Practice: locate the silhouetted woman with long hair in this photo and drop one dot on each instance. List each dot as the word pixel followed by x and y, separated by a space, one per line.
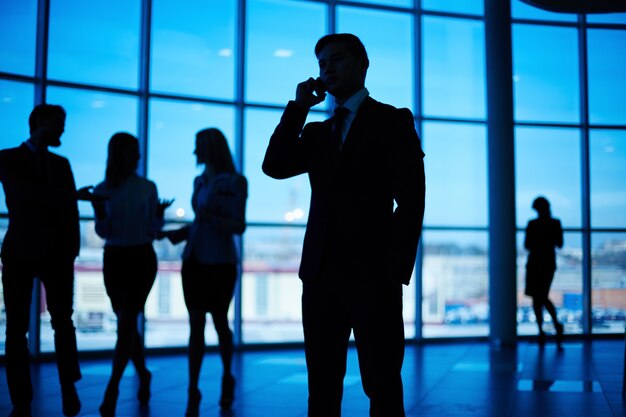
pixel 210 258
pixel 543 235
pixel 128 216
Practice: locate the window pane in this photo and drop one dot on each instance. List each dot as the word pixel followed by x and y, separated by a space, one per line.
pixel 95 42
pixel 171 161
pixel 18 36
pixel 276 63
pixel 607 18
pixel 455 6
pixel 456 161
pixel 92 118
pixel 607 151
pixel 455 287
pixel 271 288
pixel 566 292
pixel 399 3
pixel 607 85
pixel 271 200
pixel 388 40
pixel 545 68
pixel 16 103
pixel 608 277
pixel 521 10
pixel 547 163
pixel 454 68
pixel 193 48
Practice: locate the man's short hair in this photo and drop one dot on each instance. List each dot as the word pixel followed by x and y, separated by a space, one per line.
pixel 353 44
pixel 43 112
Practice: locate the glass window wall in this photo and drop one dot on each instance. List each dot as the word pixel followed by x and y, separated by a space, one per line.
pixel 276 63
pixel 18 34
pixel 193 48
pixel 545 74
pixel 455 284
pixel 547 163
pixel 390 51
pixel 454 68
pixel 95 42
pixel 608 282
pixel 93 62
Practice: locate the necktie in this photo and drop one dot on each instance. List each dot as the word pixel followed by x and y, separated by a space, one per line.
pixel 338 120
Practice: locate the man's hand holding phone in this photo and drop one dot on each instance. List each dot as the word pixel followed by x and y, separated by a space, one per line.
pixel 310 92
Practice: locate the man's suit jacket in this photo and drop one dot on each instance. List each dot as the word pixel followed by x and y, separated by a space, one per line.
pixel 43 211
pixel 352 220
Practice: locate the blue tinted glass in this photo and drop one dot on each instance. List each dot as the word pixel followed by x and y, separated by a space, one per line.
pixel 456 173
pixel 193 48
pixel 399 3
pixel 16 103
pixel 607 151
pixel 270 287
pixel 276 62
pixel 545 73
pixel 18 31
pixel 608 251
pixel 455 6
pixel 92 118
pixel 607 18
pixel 607 83
pixel 455 284
pixel 95 42
pixel 270 200
pixel 171 161
pixel 388 40
pixel 454 68
pixel 547 163
pixel 521 10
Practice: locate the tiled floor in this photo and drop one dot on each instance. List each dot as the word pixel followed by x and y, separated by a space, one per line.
pixel 451 380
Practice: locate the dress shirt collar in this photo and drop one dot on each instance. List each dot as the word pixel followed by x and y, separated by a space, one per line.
pixel 354 101
pixel 30 145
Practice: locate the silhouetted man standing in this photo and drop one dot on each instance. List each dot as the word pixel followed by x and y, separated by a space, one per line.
pixel 358 249
pixel 42 241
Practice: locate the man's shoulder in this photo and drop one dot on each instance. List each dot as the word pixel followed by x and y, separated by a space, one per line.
pixel 386 109
pixel 12 151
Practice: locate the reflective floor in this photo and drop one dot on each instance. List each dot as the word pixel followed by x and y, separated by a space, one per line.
pixel 451 380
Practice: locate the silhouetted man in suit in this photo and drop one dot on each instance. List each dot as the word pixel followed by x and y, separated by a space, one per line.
pixel 358 249
pixel 42 241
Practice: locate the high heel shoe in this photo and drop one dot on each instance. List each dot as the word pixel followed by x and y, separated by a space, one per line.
pixel 143 394
pixel 193 403
pixel 228 392
pixel 107 408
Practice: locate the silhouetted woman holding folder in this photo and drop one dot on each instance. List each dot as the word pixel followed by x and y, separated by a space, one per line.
pixel 128 216
pixel 210 258
pixel 543 235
